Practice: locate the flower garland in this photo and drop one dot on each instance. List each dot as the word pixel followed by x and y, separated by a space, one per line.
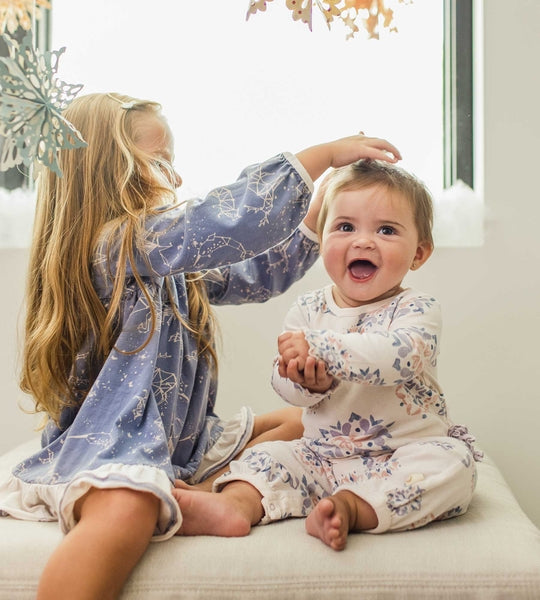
pixel 373 15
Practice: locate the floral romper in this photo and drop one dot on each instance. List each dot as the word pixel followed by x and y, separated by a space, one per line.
pixel 382 430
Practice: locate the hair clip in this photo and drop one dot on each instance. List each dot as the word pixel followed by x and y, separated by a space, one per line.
pixel 124 105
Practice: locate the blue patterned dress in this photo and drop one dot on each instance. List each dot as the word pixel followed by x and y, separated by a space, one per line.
pixel 149 415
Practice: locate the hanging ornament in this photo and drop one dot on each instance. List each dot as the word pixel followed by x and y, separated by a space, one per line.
pixel 32 99
pixel 373 16
pixel 19 13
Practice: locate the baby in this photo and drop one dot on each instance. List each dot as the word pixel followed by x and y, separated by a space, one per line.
pixel 379 452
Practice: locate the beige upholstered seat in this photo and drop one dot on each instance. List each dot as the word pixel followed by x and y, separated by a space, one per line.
pixel 491 552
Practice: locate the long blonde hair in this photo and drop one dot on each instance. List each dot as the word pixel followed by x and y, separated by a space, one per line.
pixel 112 181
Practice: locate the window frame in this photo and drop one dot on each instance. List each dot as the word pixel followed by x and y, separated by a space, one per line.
pixel 458 93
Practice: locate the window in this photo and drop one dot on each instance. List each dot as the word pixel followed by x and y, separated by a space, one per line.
pixel 458 92
pixel 236 92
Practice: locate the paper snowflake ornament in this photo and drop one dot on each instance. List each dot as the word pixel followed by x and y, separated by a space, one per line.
pixel 31 103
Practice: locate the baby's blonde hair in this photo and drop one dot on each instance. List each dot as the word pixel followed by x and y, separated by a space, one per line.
pixel 113 182
pixel 366 173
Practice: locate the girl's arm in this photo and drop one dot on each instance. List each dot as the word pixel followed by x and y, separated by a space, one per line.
pixel 232 224
pixel 266 275
pixel 236 222
pixel 317 159
pixel 259 210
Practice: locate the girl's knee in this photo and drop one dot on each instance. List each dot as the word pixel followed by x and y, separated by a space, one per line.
pixel 119 505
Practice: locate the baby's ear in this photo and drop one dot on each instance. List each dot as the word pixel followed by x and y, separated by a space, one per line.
pixel 423 252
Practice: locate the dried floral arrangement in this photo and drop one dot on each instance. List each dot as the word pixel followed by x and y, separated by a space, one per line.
pixel 20 13
pixel 371 15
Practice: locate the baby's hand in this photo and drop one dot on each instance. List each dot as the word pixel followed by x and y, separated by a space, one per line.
pixel 313 377
pixel 292 345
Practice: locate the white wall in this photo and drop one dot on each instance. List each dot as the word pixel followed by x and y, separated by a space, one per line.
pixel 490 295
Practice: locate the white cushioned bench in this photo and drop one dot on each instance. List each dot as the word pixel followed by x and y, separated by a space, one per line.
pixel 491 552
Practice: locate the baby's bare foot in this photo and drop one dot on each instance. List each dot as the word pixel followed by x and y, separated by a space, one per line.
pixel 329 521
pixel 205 513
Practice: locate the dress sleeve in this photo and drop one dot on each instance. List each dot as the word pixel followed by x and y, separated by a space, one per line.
pixel 384 356
pixel 233 223
pixel 266 275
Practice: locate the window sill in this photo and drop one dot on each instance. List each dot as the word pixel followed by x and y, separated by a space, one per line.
pixel 16 217
pixel 458 218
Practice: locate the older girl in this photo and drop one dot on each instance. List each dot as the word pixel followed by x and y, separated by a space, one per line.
pixel 119 348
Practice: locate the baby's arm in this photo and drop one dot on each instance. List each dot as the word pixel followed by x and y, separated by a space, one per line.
pixel 387 355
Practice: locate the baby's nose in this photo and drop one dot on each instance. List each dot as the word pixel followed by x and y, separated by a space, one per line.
pixel 363 241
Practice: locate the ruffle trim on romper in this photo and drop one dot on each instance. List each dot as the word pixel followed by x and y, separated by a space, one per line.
pixel 460 432
pixel 39 502
pixel 235 435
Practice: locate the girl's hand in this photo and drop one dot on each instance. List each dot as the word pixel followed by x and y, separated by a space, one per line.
pixel 313 377
pixel 350 149
pixel 345 151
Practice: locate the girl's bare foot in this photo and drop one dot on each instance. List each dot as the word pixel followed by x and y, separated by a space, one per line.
pixel 230 513
pixel 329 521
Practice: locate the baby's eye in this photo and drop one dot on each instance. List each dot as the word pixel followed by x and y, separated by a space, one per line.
pixel 386 230
pixel 347 227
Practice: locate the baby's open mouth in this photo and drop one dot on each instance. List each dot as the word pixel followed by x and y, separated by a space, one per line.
pixel 362 269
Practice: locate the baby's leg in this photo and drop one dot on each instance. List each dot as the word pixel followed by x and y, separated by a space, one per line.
pixel 333 518
pixel 419 483
pixel 272 481
pixel 230 513
pixel 282 424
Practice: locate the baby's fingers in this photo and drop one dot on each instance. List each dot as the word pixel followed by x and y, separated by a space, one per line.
pixel 293 373
pixel 282 367
pixel 310 372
